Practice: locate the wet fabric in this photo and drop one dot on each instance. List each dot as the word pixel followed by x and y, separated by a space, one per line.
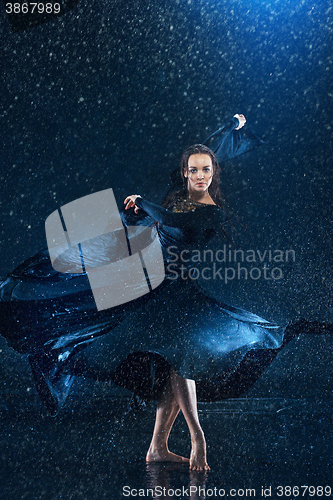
pixel 227 142
pixel 199 336
pixel 178 323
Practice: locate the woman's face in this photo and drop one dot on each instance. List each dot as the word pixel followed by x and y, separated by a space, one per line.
pixel 199 173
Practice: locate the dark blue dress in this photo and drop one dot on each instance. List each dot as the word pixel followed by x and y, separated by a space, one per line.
pixel 178 324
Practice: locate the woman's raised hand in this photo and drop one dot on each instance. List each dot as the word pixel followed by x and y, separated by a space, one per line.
pixel 130 202
pixel 242 121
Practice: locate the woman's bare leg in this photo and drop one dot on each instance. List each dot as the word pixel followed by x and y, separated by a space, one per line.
pixel 185 394
pixel 166 413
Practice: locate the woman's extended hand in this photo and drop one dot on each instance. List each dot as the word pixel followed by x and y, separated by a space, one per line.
pixel 241 119
pixel 130 202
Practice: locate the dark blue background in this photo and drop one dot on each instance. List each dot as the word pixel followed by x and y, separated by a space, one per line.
pixel 110 94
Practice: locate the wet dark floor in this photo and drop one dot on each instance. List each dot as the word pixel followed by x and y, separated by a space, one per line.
pixel 255 447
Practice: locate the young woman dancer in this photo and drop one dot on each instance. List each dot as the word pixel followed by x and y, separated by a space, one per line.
pixel 177 342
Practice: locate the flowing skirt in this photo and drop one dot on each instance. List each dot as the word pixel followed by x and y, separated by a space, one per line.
pixel 178 324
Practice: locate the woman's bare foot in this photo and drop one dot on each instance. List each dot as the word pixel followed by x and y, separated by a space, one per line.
pixel 198 460
pixel 163 455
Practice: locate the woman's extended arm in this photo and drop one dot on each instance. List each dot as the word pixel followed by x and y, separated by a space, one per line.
pixel 229 141
pixel 213 218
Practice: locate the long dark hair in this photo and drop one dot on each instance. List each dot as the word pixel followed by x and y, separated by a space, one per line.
pixel 213 190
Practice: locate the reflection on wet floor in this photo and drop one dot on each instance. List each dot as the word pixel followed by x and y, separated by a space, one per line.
pixel 254 447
